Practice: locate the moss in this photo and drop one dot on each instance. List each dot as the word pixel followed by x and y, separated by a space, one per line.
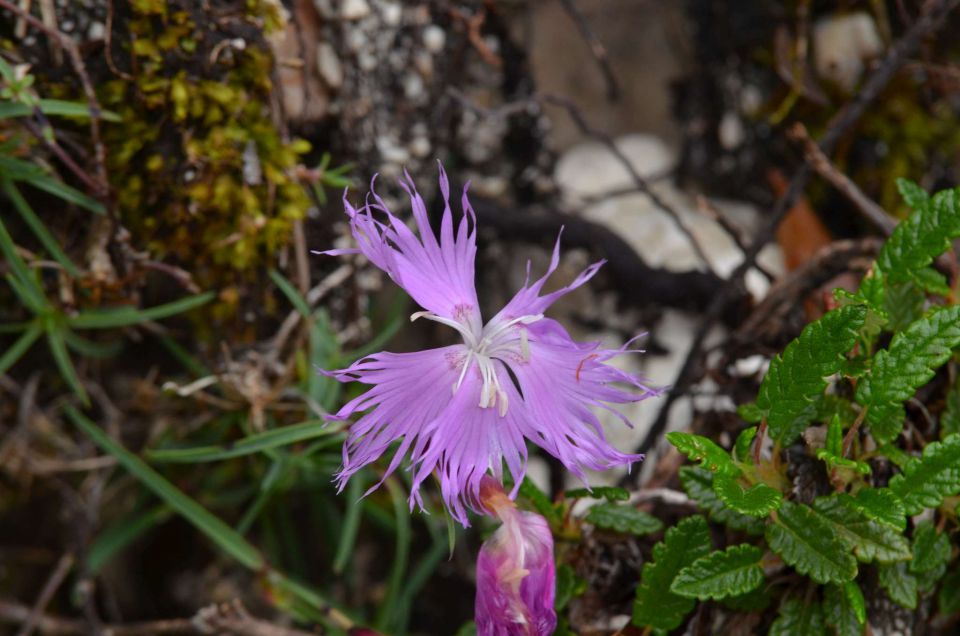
pixel 200 171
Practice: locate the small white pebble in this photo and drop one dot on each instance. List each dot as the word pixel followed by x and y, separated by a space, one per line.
pixel 434 38
pixel 354 9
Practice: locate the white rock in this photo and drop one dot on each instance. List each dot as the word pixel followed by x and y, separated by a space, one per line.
pixel 354 9
pixel 434 38
pixel 392 13
pixel 328 65
pixel 842 44
pixel 420 147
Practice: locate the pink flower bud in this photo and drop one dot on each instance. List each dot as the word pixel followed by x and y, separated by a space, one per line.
pixel 515 571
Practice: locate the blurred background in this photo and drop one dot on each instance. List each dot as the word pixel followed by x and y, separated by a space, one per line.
pixel 168 166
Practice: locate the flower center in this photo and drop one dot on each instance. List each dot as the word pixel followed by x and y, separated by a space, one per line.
pixel 496 340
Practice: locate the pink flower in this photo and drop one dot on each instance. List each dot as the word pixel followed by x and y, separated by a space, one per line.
pixel 462 410
pixel 515 571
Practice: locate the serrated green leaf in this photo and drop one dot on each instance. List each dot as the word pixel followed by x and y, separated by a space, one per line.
pixel 834 461
pixel 925 481
pixel 798 618
pixel 903 303
pixel 948 598
pixel 899 457
pixel 901 586
pixel 912 194
pixel 626 519
pixel 750 413
pixel 921 237
pixel 950 418
pixel 758 500
pixel 699 448
pixel 870 540
pixel 830 405
pixel 806 541
pixel 698 483
pixel 931 549
pixel 566 583
pixel 721 574
pixel 798 376
pixel 610 493
pixel 844 609
pixel 741 448
pixel 540 501
pixel 881 504
pixel 656 606
pixel 906 365
pixel 754 601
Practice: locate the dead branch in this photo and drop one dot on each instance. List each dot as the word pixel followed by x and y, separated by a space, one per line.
pixel 868 208
pixel 597 49
pixel 580 121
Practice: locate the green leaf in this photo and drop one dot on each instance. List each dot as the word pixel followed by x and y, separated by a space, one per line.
pixel 806 541
pixel 610 493
pixel 125 316
pixel 121 534
pixel 921 237
pixel 698 482
pixel 901 586
pixel 53 107
pixel 758 500
pixel 656 606
pixel 566 582
pixel 834 441
pixel 38 228
pixel 750 413
pixel 753 601
pixel 20 273
pixel 741 448
pixel 256 443
pixel 699 448
pixel 870 540
pixel 950 418
pixel 903 303
pixel 798 376
pixel 881 504
pixel 626 519
pixel 931 549
pixel 948 599
pixel 541 501
pixel 906 365
pixel 835 461
pixel 720 574
pixel 38 178
pixel 925 481
pixel 293 295
pixel 912 194
pixel 225 537
pixel 797 618
pixel 58 348
pixel 20 346
pixel 844 609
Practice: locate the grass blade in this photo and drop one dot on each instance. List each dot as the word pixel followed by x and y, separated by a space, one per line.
pixel 225 537
pixel 351 522
pixel 126 316
pixel 388 611
pixel 54 107
pixel 19 347
pixel 256 443
pixel 20 271
pixel 58 347
pixel 121 534
pixel 39 229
